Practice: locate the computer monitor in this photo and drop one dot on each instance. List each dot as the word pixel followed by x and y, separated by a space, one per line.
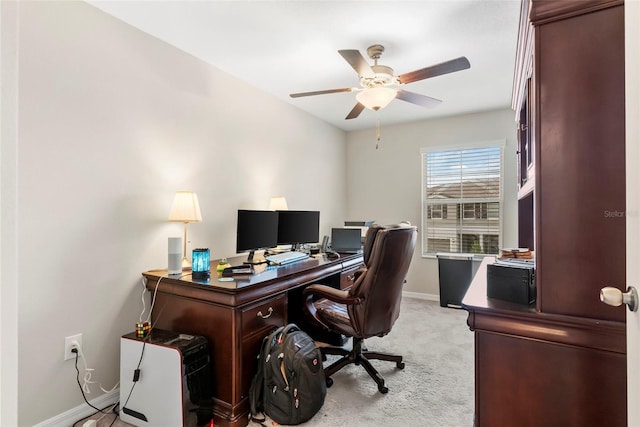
pixel 296 227
pixel 256 230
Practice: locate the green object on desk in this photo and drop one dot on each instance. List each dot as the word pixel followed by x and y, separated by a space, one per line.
pixel 222 265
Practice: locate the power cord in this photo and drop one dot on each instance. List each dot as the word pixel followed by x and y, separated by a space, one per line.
pixel 332 254
pixel 153 299
pixel 84 386
pixel 136 373
pixel 75 350
pixel 88 372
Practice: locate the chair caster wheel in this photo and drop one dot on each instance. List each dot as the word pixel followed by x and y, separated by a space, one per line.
pixel 329 382
pixel 382 389
pixel 400 365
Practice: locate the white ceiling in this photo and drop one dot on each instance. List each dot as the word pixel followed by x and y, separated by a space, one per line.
pixel 284 47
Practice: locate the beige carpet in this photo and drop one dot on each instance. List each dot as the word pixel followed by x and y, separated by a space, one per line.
pixel 435 388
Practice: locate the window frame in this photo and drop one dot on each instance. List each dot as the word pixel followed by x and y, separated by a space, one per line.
pixel 459 228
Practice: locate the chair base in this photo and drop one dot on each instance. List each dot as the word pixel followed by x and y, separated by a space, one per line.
pixel 359 356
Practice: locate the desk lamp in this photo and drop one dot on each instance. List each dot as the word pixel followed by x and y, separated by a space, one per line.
pixel 185 209
pixel 278 203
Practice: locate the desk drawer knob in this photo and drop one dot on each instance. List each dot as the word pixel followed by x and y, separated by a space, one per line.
pixel 270 312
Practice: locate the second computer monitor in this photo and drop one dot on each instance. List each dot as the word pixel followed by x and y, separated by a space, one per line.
pixel 295 227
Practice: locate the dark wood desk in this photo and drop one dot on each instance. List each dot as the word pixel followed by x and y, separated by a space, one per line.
pixel 235 316
pixel 542 369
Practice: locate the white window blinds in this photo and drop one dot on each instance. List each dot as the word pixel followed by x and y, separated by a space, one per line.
pixel 462 199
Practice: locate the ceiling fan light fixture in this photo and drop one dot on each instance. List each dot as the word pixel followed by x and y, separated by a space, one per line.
pixel 376 98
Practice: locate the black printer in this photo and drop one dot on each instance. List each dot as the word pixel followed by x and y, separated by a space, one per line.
pixel 512 280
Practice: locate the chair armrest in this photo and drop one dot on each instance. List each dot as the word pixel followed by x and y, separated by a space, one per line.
pixel 329 293
pixel 359 272
pixel 332 294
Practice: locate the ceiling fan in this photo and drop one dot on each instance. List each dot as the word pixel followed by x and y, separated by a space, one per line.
pixel 377 81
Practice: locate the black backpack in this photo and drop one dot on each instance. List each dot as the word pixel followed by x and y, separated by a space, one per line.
pixel 289 385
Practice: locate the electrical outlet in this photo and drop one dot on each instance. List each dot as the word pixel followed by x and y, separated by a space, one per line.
pixel 69 344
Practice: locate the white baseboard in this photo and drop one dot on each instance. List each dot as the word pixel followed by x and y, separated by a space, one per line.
pixel 73 415
pixel 420 295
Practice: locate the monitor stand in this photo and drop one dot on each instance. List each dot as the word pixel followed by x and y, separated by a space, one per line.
pixel 251 260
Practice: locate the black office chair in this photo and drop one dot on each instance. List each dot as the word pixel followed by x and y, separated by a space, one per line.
pixel 371 306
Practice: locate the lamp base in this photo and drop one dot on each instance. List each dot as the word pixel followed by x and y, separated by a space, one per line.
pixel 186 264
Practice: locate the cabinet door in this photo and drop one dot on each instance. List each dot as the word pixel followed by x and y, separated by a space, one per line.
pixel 580 178
pixel 530 383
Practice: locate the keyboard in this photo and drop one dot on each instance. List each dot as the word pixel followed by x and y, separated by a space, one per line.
pixel 286 257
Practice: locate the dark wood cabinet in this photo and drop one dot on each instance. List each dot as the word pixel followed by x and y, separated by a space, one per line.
pixel 579 63
pixel 562 360
pixel 569 392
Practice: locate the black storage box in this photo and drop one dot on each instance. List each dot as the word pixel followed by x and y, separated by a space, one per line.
pixel 514 283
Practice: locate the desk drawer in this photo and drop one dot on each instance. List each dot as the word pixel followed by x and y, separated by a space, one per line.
pixel 347 277
pixel 264 315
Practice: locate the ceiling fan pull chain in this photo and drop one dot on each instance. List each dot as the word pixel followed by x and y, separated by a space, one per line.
pixel 377 130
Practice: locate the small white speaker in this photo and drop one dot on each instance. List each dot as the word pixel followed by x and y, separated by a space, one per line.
pixel 175 255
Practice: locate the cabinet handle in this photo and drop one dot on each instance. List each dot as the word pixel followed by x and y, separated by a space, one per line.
pixel 259 314
pixel 615 297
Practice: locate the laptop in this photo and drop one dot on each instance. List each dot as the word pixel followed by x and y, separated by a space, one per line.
pixel 346 240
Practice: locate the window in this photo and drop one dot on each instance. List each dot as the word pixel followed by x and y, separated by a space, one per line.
pixel 462 199
pixel 440 245
pixel 490 243
pixel 437 212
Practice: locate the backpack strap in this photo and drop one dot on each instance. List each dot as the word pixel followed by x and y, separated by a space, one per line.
pixel 258 420
pixel 291 327
pixel 256 390
pixel 272 340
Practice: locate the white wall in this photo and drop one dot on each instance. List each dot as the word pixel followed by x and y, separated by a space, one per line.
pixel 110 123
pixel 632 106
pixel 385 183
pixel 8 239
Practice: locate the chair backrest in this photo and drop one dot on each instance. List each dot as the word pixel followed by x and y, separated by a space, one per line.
pixel 369 238
pixel 380 286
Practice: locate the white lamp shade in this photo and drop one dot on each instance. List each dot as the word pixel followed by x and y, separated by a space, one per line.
pixel 278 203
pixel 376 98
pixel 185 207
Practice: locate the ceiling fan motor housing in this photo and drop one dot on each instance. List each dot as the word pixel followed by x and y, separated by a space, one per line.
pixel 383 77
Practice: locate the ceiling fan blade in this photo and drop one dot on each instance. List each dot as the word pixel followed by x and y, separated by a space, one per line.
pixel 355 112
pixel 415 98
pixel 447 67
pixel 357 61
pixel 321 92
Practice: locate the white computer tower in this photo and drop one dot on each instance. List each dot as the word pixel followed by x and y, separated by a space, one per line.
pixel 164 378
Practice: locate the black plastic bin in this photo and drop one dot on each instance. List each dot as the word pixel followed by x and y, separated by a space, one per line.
pixel 455 272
